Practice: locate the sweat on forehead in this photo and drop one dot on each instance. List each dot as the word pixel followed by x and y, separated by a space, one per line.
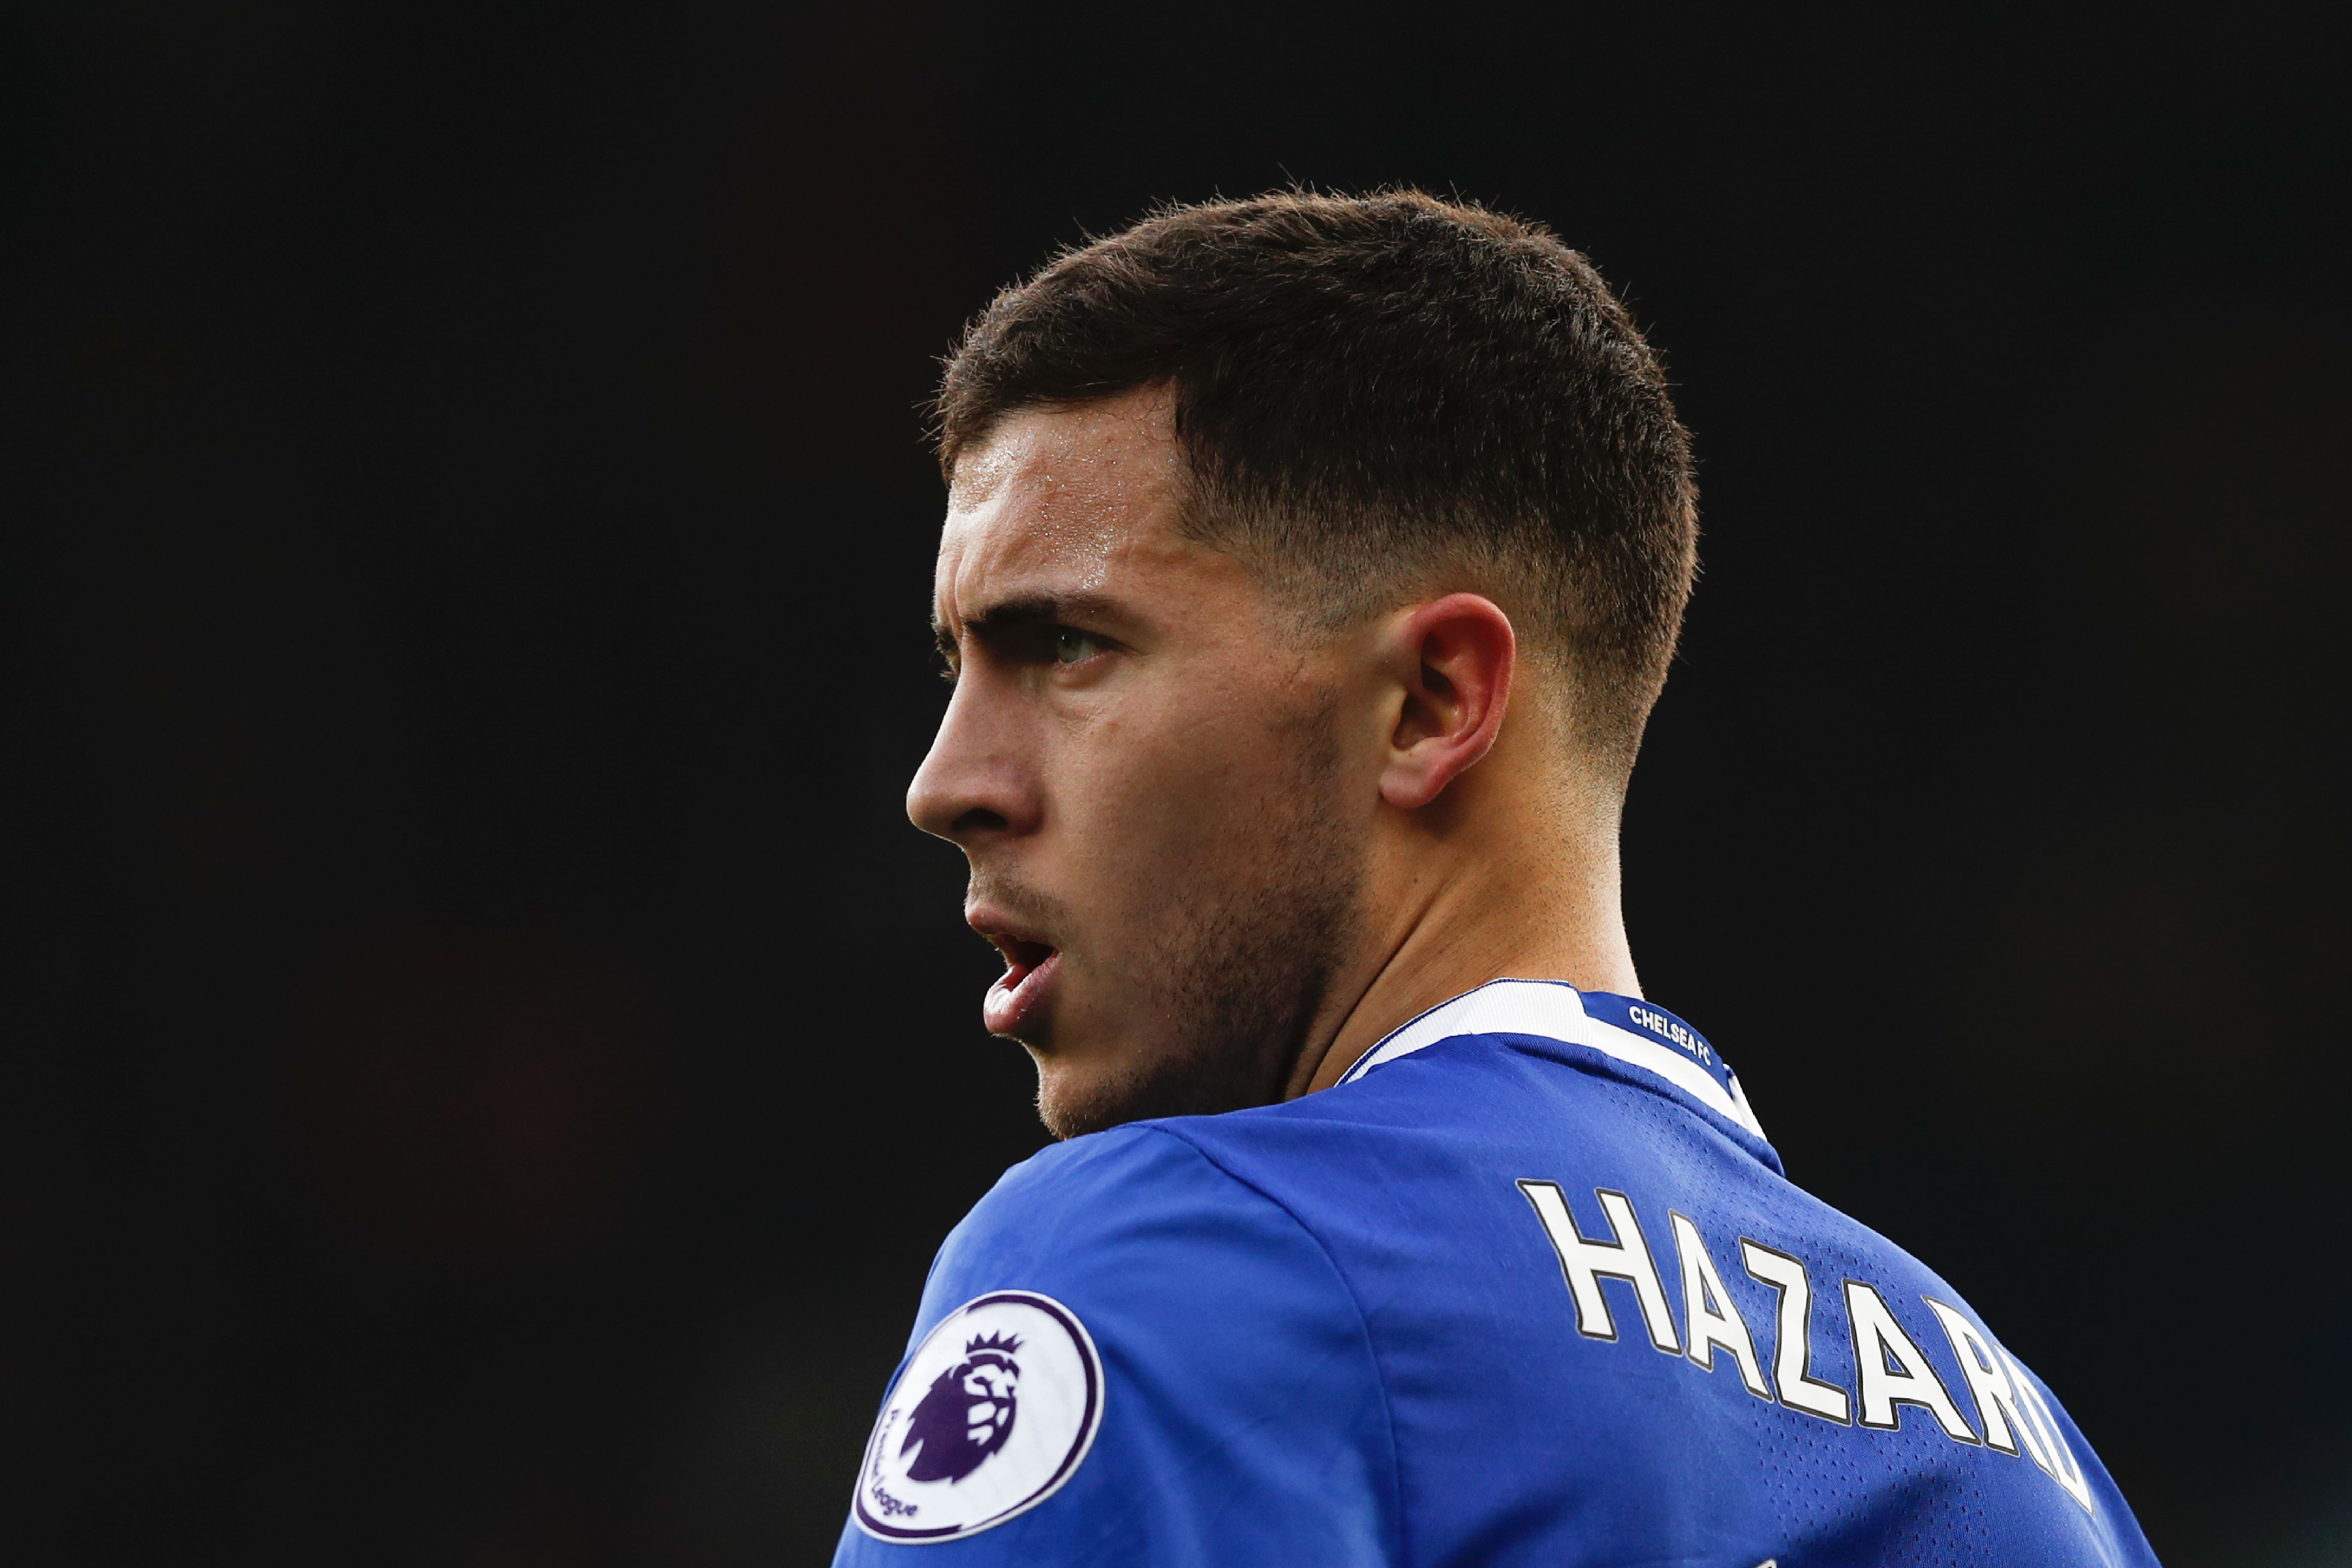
pixel 1112 444
pixel 1054 502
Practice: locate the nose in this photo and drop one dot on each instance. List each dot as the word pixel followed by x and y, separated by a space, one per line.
pixel 980 779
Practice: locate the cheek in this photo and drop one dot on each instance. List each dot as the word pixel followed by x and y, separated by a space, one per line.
pixel 1166 797
pixel 1165 801
pixel 1205 808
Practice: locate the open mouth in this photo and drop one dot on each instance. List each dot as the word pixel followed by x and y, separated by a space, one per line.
pixel 1019 995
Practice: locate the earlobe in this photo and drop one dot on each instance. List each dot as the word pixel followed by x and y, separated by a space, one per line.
pixel 1456 656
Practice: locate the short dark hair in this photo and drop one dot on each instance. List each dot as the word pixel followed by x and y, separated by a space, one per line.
pixel 1376 393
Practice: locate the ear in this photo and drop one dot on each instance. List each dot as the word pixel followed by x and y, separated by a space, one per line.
pixel 1454 656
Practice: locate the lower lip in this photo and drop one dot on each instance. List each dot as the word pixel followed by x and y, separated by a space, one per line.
pixel 1018 1002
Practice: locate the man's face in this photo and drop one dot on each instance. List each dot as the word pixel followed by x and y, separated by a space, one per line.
pixel 1144 765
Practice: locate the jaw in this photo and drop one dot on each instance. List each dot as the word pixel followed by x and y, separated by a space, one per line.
pixel 1169 1055
pixel 1173 929
pixel 1079 1070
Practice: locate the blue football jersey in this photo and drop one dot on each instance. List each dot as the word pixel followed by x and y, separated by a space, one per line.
pixel 1528 1287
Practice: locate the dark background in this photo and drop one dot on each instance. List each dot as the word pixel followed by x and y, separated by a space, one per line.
pixel 488 1061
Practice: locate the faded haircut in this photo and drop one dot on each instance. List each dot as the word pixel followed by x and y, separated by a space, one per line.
pixel 1377 396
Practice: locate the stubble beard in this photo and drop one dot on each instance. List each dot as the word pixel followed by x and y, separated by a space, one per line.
pixel 1233 984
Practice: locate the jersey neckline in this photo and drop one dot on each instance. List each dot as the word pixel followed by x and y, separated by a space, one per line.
pixel 1627 1029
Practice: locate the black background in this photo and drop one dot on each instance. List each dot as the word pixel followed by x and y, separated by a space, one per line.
pixel 489 1063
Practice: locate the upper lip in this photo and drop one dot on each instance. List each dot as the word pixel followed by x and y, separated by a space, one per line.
pixel 1020 944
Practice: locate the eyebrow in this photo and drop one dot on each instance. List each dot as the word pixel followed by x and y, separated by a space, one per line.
pixel 1023 611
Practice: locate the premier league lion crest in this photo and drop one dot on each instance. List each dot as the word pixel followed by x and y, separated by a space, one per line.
pixel 967 1414
pixel 992 1413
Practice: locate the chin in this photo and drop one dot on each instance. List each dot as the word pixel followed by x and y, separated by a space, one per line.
pixel 1067 1102
pixel 1074 1099
pixel 1137 1085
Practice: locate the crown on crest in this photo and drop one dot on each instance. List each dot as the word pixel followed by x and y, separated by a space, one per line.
pixel 1004 1344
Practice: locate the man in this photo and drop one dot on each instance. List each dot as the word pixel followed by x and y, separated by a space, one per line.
pixel 1310 569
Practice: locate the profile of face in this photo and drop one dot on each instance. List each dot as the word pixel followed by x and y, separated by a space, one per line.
pixel 1147 767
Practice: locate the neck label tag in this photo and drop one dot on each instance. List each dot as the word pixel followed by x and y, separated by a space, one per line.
pixel 1653 1023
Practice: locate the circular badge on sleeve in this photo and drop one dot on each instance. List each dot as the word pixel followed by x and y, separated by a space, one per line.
pixel 993 1412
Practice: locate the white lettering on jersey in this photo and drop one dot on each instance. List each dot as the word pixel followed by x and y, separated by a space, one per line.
pixel 1710 1317
pixel 1586 1263
pixel 1792 1351
pixel 1659 1024
pixel 2049 1444
pixel 1987 1380
pixel 1889 1370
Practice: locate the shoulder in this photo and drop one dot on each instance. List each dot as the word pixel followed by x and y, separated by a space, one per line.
pixel 1289 1180
pixel 1207 1182
pixel 1141 1198
pixel 1178 1371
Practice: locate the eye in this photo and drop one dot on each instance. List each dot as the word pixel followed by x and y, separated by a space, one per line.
pixel 1072 646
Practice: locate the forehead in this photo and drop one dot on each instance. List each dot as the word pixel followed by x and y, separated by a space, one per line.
pixel 1056 501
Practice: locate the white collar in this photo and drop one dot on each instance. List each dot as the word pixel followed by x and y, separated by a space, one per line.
pixel 1553 1010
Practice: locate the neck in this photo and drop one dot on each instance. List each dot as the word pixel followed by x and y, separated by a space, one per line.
pixel 1461 918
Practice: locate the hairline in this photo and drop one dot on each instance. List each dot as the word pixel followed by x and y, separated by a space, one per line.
pixel 1288 578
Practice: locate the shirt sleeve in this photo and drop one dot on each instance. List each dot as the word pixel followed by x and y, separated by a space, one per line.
pixel 1241 1415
